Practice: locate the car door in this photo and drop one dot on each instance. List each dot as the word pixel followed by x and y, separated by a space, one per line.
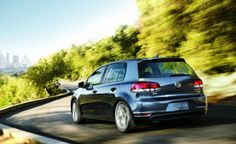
pixel 106 92
pixel 88 103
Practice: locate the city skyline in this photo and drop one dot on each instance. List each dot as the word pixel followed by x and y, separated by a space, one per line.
pixel 8 60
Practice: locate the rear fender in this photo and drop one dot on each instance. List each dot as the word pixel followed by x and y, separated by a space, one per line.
pixel 127 99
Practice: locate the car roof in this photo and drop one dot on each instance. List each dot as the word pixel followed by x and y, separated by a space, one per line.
pixel 138 60
pixel 151 59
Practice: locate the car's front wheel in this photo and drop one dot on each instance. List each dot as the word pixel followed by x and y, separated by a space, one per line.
pixel 123 118
pixel 76 113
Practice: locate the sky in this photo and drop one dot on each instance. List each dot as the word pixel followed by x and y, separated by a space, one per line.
pixel 40 27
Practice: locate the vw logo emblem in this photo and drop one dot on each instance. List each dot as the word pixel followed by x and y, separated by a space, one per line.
pixel 177 84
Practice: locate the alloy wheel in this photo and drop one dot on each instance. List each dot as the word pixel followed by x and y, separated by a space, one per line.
pixel 122 116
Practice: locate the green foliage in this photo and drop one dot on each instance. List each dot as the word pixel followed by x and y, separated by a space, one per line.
pixel 16 90
pixel 162 28
pixel 85 58
pixel 201 31
pixel 36 83
pixel 48 70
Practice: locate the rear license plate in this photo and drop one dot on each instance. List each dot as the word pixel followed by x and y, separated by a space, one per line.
pixel 177 106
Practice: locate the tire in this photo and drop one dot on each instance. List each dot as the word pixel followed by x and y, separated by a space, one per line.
pixel 76 113
pixel 123 117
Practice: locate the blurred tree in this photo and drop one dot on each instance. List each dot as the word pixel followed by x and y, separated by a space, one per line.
pixel 202 31
pixel 211 38
pixel 126 37
pixel 48 70
pixel 84 59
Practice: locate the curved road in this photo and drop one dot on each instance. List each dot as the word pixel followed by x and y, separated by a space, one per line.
pixel 54 119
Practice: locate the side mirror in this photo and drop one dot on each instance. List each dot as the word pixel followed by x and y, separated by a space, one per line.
pixel 80 84
pixel 89 86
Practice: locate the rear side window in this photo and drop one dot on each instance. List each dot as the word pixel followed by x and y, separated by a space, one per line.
pixel 115 73
pixel 152 69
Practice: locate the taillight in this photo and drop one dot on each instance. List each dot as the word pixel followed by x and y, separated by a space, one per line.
pixel 144 87
pixel 198 83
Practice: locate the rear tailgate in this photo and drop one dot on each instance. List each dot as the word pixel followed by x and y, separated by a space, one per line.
pixel 175 77
pixel 174 86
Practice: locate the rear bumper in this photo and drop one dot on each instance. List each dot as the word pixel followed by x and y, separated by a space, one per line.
pixel 155 118
pixel 155 111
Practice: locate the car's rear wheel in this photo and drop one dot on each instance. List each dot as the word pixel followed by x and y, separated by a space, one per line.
pixel 76 113
pixel 123 117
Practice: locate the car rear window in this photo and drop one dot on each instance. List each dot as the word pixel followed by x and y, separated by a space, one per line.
pixel 152 69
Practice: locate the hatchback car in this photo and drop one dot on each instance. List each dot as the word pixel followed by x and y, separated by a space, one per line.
pixel 131 92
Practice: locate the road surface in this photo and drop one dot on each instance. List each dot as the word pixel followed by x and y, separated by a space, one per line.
pixel 54 119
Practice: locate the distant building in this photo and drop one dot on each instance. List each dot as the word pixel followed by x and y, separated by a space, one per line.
pixel 2 60
pixel 25 61
pixel 8 59
pixel 15 61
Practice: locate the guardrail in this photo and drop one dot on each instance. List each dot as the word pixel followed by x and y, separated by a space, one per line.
pixel 26 105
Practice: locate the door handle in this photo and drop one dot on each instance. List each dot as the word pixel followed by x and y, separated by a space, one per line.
pixel 113 89
pixel 94 91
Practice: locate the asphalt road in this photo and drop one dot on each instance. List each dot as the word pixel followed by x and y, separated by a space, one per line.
pixel 54 119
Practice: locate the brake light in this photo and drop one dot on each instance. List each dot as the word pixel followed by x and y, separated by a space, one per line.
pixel 144 87
pixel 198 83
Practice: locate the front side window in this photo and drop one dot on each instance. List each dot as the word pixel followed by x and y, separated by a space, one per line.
pixel 96 77
pixel 115 73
